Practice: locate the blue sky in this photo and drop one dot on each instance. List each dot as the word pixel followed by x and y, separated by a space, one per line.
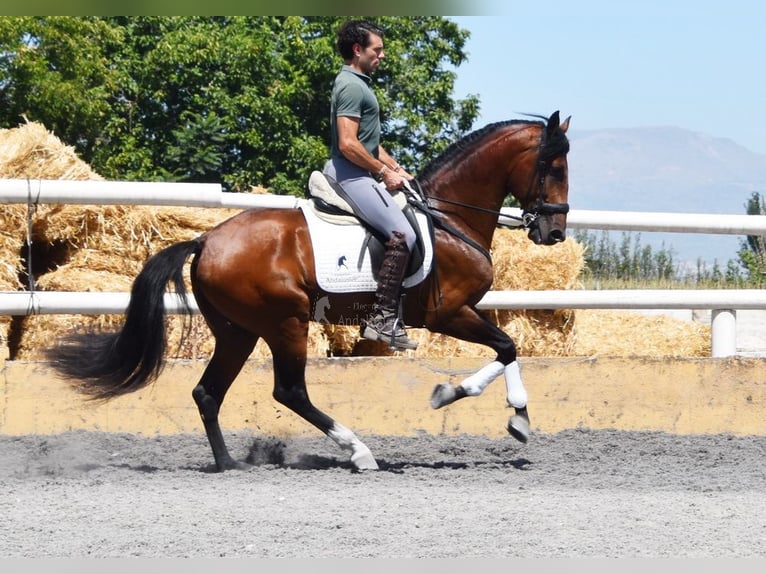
pixel 698 65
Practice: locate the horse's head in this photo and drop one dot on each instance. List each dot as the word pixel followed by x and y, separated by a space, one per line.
pixel 544 200
pixel 469 181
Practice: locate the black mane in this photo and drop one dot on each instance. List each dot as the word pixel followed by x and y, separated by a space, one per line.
pixel 556 145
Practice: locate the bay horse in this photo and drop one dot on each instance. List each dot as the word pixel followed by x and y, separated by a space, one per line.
pixel 253 276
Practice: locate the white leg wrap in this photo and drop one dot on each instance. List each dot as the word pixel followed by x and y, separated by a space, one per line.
pixel 517 394
pixel 476 383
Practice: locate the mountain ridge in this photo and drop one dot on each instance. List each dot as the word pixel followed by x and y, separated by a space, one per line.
pixel 666 169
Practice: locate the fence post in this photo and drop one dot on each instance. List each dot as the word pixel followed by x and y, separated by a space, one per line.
pixel 723 331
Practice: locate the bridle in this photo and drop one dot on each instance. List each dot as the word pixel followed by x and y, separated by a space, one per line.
pixel 541 207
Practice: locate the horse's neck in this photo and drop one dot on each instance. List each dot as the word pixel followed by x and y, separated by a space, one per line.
pixel 474 213
pixel 481 183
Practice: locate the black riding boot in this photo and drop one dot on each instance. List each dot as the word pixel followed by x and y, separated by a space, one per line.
pixel 383 324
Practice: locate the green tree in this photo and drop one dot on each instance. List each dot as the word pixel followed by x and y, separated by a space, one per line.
pixel 628 261
pixel 241 100
pixel 752 252
pixel 55 70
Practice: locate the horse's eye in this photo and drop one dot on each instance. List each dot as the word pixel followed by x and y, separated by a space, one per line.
pixel 557 173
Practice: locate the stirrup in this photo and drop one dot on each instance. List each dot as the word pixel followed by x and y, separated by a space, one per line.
pixel 378 330
pixel 395 342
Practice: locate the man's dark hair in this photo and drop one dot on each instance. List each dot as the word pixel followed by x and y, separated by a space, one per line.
pixel 355 32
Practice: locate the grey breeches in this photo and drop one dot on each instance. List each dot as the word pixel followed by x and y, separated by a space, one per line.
pixel 371 199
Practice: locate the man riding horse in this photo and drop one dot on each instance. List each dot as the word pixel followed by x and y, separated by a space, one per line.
pixel 367 173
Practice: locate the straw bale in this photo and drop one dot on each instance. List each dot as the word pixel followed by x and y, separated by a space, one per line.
pixel 90 270
pixel 625 334
pixel 13 229
pixel 520 265
pixel 32 152
pixel 109 247
pixel 39 331
pixel 28 152
pixel 124 231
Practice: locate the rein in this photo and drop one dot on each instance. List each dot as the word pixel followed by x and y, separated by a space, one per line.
pixel 477 208
pixel 420 201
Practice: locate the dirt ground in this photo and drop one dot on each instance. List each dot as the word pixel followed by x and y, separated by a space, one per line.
pixel 577 493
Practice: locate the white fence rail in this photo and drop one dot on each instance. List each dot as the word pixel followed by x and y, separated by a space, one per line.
pixel 212 195
pixel 723 303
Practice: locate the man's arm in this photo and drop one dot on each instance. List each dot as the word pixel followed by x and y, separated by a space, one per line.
pixel 392 163
pixel 353 150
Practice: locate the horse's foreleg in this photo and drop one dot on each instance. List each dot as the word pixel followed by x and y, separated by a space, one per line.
pixel 516 397
pixel 475 328
pixel 473 386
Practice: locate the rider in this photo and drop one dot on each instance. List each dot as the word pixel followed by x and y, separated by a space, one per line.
pixel 368 174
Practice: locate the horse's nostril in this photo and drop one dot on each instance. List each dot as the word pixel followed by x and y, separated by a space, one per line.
pixel 556 236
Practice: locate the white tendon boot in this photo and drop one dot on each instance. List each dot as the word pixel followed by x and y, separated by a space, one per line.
pixel 518 424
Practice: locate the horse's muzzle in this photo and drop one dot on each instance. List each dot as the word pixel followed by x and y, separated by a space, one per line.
pixel 547 224
pixel 544 231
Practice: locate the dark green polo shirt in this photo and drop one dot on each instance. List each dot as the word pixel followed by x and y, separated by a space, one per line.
pixel 353 97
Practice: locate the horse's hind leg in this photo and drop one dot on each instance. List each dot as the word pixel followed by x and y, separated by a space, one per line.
pixel 233 346
pixel 289 356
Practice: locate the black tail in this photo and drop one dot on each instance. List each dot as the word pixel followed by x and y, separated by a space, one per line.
pixel 113 364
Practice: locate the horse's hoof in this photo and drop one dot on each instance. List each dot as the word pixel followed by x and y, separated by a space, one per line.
pixel 364 461
pixel 443 395
pixel 518 427
pixel 232 464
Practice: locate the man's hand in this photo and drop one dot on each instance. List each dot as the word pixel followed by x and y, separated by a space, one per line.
pixel 393 180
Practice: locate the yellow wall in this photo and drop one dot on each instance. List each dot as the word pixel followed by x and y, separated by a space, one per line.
pixel 389 395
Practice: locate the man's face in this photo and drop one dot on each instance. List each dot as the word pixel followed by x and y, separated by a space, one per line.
pixel 370 57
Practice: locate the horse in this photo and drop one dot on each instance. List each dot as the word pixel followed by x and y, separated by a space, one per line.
pixel 253 277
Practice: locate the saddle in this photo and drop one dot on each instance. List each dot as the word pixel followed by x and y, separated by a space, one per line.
pixel 331 204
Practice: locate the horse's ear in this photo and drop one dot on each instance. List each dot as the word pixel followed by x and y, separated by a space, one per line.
pixel 553 123
pixel 565 125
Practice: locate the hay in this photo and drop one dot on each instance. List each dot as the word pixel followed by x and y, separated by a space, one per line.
pixel 521 265
pixel 106 246
pixel 32 152
pixel 12 238
pixel 28 152
pixel 627 334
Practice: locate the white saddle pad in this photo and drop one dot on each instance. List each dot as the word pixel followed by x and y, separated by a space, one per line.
pixel 337 250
